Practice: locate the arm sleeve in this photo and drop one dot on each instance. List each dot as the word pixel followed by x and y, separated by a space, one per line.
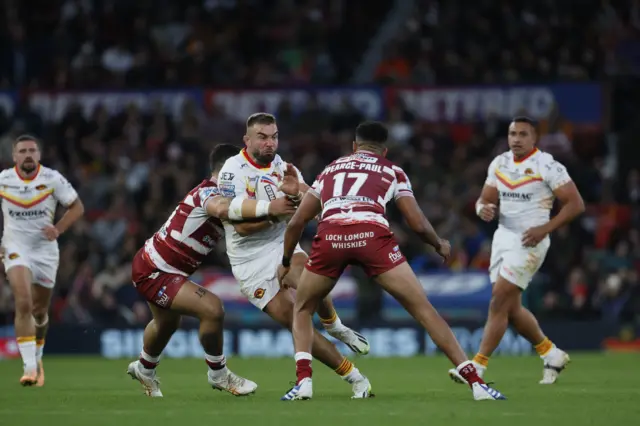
pixel 492 180
pixel 401 184
pixel 555 174
pixel 231 184
pixel 316 188
pixel 63 191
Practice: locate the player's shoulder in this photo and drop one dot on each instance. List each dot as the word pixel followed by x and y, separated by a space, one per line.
pixel 236 163
pixel 8 174
pixel 503 158
pixel 48 173
pixel 544 158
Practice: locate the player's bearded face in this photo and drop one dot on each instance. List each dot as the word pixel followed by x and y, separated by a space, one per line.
pixel 262 143
pixel 522 139
pixel 26 155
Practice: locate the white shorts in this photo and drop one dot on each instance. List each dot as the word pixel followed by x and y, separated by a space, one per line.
pixel 42 262
pixel 514 262
pixel 258 278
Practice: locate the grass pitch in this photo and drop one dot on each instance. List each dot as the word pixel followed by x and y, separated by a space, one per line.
pixel 594 390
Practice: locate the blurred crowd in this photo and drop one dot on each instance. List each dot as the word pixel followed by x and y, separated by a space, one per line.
pixel 131 168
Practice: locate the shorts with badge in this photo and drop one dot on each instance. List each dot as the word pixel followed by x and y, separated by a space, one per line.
pixel 514 262
pixel 258 278
pixel 42 262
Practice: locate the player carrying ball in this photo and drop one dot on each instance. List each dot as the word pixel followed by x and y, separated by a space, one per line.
pixel 524 182
pixel 351 195
pixel 160 272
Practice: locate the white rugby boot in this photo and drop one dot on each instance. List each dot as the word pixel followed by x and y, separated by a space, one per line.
pixel 362 389
pixel 457 378
pixel 149 382
pixel 483 392
pixel 354 340
pixel 230 382
pixel 300 392
pixel 554 362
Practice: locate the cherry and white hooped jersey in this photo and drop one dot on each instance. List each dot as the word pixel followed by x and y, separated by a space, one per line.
pixel 239 178
pixel 188 236
pixel 526 188
pixel 29 205
pixel 357 188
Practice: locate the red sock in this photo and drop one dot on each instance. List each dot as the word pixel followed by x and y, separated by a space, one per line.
pixel 303 369
pixel 469 372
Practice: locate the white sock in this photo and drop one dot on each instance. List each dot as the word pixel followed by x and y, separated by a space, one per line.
pixel 353 376
pixel 150 359
pixel 302 355
pixel 27 348
pixel 217 360
pixel 552 352
pixel 40 342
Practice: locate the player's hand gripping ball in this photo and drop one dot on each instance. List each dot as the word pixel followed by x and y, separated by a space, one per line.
pixel 267 190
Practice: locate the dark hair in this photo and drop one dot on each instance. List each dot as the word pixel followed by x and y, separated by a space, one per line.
pixel 221 153
pixel 524 119
pixel 260 118
pixel 372 132
pixel 26 138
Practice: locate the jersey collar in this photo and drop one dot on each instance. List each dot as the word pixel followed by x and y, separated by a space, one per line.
pixel 247 157
pixel 526 157
pixel 15 168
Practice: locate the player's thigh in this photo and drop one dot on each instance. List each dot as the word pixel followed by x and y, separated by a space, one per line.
pixel 280 308
pixel 519 264
pixel 298 261
pixel 401 283
pixel 44 267
pixel 17 267
pixel 258 279
pixel 165 319
pixel 196 301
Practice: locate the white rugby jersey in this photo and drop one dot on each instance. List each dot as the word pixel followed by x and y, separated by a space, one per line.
pixel 238 178
pixel 526 188
pixel 29 205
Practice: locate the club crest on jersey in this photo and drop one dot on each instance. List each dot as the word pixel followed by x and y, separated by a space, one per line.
pixel 13 256
pixel 528 172
pixel 259 293
pixel 41 187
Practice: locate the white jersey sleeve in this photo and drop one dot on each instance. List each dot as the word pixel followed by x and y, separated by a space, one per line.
pixel 401 184
pixel 63 191
pixel 554 174
pixel 492 180
pixel 230 180
pixel 316 188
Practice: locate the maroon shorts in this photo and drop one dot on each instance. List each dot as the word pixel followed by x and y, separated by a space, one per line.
pixel 370 246
pixel 154 285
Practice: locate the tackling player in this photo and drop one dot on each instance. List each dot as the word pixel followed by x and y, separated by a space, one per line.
pixel 351 195
pixel 524 181
pixel 30 194
pixel 255 250
pixel 160 272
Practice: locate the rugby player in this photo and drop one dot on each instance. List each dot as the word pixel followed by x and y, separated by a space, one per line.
pixel 351 195
pixel 255 250
pixel 30 194
pixel 524 183
pixel 161 268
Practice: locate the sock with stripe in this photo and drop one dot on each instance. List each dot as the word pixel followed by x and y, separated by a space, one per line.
pixel 303 365
pixel 348 371
pixel 27 348
pixel 482 360
pixel 332 322
pixel 544 348
pixel 148 363
pixel 217 365
pixel 468 371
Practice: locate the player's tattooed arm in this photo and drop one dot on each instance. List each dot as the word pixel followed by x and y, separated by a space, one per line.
pixel 418 222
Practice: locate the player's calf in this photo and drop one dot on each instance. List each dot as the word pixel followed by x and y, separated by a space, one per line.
pixel 20 280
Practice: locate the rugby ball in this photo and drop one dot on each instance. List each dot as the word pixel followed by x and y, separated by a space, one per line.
pixel 267 188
